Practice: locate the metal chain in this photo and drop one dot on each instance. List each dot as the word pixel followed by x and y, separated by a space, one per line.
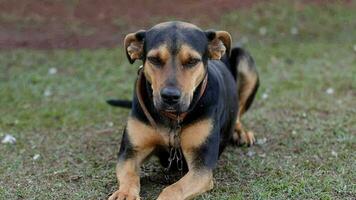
pixel 175 152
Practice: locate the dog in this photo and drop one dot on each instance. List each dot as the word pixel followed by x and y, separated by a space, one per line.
pixel 190 95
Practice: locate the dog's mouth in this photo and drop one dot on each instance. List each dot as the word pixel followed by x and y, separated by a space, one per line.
pixel 170 110
pixel 179 107
pixel 176 108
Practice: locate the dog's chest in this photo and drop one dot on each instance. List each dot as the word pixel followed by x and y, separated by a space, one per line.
pixel 145 136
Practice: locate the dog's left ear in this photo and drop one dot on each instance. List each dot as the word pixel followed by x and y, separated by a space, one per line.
pixel 219 43
pixel 133 43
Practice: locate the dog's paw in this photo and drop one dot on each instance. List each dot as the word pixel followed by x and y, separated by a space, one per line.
pixel 248 138
pixel 243 137
pixel 170 193
pixel 119 195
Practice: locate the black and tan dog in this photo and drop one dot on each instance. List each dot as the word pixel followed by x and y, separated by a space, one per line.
pixel 190 94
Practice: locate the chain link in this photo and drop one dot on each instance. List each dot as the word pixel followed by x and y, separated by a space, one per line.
pixel 175 152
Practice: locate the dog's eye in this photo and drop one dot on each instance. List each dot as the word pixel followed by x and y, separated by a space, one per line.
pixel 155 61
pixel 191 62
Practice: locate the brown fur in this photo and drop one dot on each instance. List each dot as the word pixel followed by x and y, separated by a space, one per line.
pixel 188 78
pixel 247 82
pixel 220 45
pixel 189 186
pixel 143 136
pixel 195 182
pixel 195 135
pixel 133 47
pixel 128 175
pixel 163 69
pixel 157 76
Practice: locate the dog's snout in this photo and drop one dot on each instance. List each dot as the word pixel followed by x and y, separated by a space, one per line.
pixel 170 95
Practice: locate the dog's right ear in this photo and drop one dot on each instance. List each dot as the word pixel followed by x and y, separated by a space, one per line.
pixel 134 45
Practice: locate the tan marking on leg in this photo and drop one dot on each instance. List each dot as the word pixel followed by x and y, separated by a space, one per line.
pixel 247 82
pixel 191 185
pixel 242 136
pixel 197 180
pixel 144 139
pixel 127 172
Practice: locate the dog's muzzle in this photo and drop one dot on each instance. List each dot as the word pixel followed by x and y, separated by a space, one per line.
pixel 170 96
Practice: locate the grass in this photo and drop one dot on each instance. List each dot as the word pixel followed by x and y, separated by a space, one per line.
pixel 309 151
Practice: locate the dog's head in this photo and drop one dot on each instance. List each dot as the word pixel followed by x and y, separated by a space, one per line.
pixel 175 56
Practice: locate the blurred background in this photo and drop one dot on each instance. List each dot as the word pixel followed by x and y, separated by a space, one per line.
pixel 61 59
pixel 97 24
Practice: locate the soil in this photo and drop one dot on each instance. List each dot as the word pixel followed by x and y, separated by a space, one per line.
pixel 48 24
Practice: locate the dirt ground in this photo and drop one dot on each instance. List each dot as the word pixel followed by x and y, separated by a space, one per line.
pixel 49 24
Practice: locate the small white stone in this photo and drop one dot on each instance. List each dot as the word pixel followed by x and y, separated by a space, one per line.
pixel 334 153
pixel 354 47
pixel 261 141
pixel 304 115
pixel 263 31
pixel 52 71
pixel 8 139
pixel 275 60
pixel 294 31
pixel 110 124
pixel 36 157
pixel 264 96
pixel 262 155
pixel 47 92
pixel 294 132
pixel 329 91
pixel 250 153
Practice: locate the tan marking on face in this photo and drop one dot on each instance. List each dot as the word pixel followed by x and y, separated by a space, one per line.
pixel 158 75
pixel 189 78
pixel 196 134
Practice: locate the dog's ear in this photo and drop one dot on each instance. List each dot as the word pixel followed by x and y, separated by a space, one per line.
pixel 133 43
pixel 219 43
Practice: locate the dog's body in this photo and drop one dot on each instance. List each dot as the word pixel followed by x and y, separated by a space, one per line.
pixel 190 75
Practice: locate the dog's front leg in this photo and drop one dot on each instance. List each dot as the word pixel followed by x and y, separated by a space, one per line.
pixel 138 142
pixel 200 145
pixel 195 182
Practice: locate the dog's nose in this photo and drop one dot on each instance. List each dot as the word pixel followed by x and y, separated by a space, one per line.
pixel 170 95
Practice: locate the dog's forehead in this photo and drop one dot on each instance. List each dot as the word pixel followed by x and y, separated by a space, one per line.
pixel 174 35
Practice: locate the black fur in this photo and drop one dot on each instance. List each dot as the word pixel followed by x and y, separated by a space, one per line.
pixel 219 102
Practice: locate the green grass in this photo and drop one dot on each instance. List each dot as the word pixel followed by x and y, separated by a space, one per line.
pixel 310 147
